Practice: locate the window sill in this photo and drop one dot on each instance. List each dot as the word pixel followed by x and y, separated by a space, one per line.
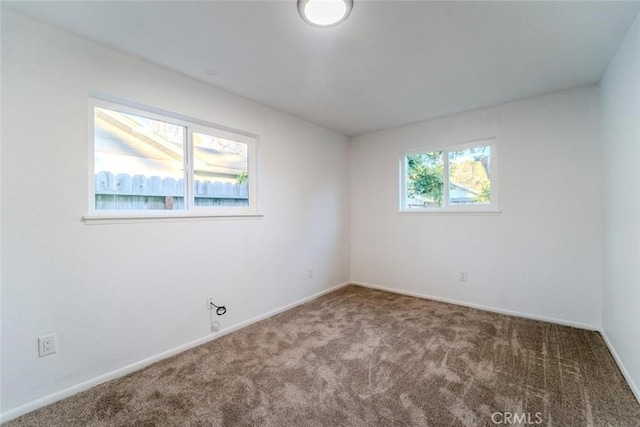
pixel 132 218
pixel 451 212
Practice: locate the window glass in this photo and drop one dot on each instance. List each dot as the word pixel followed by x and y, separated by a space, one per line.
pixel 425 180
pixel 458 178
pixel 138 162
pixel 221 171
pixel 145 161
pixel 470 176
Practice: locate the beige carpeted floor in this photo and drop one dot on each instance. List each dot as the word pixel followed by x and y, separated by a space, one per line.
pixel 360 357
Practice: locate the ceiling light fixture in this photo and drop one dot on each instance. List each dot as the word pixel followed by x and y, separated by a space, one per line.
pixel 324 13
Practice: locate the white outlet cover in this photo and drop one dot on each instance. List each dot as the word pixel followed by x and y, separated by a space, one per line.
pixel 47 345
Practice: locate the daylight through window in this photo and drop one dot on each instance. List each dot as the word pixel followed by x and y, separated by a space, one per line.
pixel 460 177
pixel 145 162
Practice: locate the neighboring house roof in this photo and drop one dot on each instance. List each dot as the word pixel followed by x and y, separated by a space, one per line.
pixel 125 147
pixel 459 193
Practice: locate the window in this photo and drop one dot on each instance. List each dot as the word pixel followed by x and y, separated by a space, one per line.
pixel 458 178
pixel 146 164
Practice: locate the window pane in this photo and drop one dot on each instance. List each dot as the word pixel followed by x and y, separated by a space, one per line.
pixel 425 180
pixel 138 162
pixel 470 176
pixel 221 171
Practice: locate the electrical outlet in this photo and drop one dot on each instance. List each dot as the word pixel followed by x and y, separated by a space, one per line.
pixel 463 276
pixel 210 303
pixel 47 345
pixel 310 273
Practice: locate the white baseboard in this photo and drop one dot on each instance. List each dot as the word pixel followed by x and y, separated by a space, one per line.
pixel 85 385
pixel 70 391
pixel 632 385
pixel 482 307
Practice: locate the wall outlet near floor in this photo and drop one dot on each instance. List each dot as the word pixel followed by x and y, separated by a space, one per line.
pixel 210 303
pixel 215 326
pixel 310 272
pixel 463 276
pixel 47 345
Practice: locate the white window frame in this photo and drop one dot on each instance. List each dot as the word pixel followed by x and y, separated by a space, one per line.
pixel 491 207
pixel 191 125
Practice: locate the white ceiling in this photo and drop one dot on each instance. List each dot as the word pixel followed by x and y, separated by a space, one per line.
pixel 390 63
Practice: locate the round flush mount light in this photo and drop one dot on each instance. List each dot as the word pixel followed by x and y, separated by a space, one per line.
pixel 324 13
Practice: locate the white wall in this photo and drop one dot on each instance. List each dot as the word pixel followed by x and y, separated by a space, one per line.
pixel 620 115
pixel 540 257
pixel 116 294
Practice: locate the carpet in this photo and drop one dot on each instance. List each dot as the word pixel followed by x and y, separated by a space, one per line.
pixel 362 357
